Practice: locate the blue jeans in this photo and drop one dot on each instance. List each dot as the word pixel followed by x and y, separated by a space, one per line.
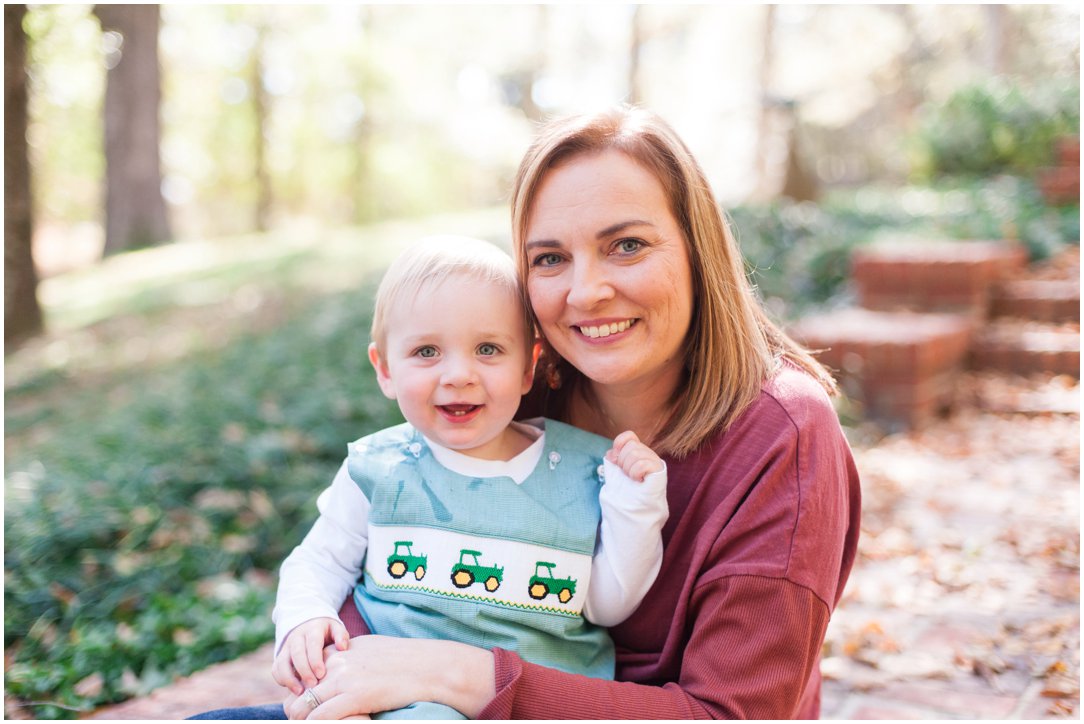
pixel 420 710
pixel 267 711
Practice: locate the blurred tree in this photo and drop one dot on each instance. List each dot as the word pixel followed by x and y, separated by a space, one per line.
pixel 135 212
pixel 260 110
pixel 22 314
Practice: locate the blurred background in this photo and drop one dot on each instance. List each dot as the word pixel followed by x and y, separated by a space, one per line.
pixel 199 199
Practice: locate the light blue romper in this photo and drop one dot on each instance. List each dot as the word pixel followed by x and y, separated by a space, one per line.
pixel 470 552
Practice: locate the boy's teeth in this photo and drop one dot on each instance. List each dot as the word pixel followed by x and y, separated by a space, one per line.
pixel 606 330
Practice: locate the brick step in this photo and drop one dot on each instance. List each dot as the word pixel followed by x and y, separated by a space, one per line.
pixel 1026 347
pixel 1059 185
pixel 899 367
pixel 1043 300
pixel 934 276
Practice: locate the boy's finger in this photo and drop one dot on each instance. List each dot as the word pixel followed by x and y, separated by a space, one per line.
pixel 623 439
pixel 283 674
pixel 341 636
pixel 300 659
pixel 314 649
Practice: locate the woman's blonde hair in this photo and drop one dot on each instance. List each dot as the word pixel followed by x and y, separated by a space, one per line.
pixel 732 346
pixel 435 259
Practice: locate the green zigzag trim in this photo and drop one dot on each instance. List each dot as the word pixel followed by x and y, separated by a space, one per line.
pixel 470 597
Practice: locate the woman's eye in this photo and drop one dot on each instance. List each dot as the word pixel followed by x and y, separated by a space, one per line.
pixel 426 352
pixel 629 246
pixel 546 260
pixel 488 350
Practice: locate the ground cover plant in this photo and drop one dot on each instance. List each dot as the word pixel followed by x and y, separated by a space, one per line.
pixel 154 484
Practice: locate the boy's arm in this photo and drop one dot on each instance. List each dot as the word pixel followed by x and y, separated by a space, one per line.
pixel 628 553
pixel 317 576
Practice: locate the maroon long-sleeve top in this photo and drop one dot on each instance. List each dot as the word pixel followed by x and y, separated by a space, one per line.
pixel 761 538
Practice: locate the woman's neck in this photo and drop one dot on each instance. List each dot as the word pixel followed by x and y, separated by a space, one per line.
pixel 609 410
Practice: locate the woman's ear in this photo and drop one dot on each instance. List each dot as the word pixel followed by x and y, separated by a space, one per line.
pixel 383 373
pixel 528 378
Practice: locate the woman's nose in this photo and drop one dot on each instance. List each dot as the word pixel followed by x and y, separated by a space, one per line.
pixel 591 285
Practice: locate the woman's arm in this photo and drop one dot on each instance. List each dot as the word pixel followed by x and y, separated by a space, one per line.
pixel 381 673
pixel 754 644
pixel 752 649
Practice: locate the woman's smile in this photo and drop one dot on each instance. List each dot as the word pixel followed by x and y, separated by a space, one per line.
pixel 596 330
pixel 609 275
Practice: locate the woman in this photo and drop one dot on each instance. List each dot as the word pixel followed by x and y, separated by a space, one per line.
pixel 649 324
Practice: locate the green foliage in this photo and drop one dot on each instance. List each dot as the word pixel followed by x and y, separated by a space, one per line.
pixel 798 255
pixel 139 534
pixel 996 126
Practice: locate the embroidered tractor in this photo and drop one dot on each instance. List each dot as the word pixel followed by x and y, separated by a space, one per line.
pixel 543 583
pixel 465 573
pixel 403 560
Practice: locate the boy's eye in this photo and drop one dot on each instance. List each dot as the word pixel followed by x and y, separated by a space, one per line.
pixel 427 351
pixel 488 350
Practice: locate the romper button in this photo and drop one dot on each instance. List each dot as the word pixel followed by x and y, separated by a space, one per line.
pixel 555 457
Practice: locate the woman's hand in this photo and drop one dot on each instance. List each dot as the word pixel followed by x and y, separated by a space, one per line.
pixel 380 673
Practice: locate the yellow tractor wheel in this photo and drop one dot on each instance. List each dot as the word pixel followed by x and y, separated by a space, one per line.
pixel 462 579
pixel 419 573
pixel 492 584
pixel 564 596
pixel 538 591
pixel 397 569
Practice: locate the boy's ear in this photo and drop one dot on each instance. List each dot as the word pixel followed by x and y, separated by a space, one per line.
pixel 528 378
pixel 383 374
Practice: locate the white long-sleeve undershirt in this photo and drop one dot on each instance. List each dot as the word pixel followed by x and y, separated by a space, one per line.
pixel 316 577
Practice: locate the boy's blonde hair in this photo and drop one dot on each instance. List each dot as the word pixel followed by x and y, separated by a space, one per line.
pixel 435 259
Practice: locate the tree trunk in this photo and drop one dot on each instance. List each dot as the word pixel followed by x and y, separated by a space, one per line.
pixel 260 111
pixel 135 212
pixel 22 314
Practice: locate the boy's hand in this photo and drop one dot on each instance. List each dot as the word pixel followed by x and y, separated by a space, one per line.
pixel 633 457
pixel 300 662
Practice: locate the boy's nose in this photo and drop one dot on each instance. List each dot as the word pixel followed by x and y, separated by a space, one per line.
pixel 458 372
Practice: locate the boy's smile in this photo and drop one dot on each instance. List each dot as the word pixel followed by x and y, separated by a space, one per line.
pixel 457 361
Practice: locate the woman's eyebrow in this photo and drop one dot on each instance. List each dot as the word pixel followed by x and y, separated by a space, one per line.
pixel 543 244
pixel 601 234
pixel 619 227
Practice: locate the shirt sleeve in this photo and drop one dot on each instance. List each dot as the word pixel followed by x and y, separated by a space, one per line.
pixel 320 572
pixel 628 554
pixel 753 647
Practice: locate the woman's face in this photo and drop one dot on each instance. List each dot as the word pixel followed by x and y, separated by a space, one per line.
pixel 609 276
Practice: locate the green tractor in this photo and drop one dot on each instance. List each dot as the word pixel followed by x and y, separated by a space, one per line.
pixel 543 583
pixel 465 573
pixel 403 560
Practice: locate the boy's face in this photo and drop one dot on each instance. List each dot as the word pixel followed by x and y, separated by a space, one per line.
pixel 456 361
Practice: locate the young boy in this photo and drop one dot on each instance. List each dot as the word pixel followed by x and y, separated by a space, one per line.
pixel 468 526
